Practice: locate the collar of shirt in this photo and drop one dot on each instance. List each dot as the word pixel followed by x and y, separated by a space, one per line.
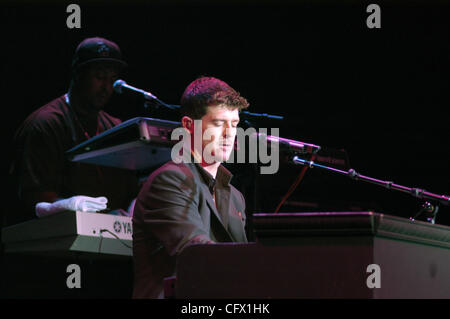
pixel 223 177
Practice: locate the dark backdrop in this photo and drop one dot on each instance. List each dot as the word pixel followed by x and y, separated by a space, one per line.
pixel 380 94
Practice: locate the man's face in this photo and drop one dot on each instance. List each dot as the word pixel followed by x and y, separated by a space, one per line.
pixel 96 83
pixel 219 132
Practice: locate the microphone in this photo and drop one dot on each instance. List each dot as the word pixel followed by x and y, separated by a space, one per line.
pixel 120 85
pixel 292 145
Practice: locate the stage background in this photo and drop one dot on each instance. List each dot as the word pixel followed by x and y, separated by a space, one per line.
pixel 380 94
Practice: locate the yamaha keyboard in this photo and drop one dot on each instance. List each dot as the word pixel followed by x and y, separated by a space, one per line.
pixel 71 233
pixel 137 144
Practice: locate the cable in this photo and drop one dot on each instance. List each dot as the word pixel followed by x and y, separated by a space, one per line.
pixel 294 185
pixel 108 231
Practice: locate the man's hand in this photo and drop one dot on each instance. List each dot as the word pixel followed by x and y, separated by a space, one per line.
pixel 75 203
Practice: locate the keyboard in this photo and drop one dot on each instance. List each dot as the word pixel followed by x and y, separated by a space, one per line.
pixel 69 233
pixel 138 144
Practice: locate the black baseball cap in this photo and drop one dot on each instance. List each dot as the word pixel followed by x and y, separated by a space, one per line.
pixel 97 50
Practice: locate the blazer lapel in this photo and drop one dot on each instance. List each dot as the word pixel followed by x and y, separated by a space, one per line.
pixel 223 220
pixel 223 203
pixel 231 217
pixel 218 216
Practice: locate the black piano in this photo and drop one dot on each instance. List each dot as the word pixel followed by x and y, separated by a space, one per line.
pixel 363 255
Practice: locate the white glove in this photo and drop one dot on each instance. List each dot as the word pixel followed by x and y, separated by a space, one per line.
pixel 75 203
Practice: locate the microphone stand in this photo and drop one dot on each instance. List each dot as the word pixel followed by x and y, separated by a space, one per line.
pixel 246 114
pixel 151 100
pixel 154 101
pixel 427 207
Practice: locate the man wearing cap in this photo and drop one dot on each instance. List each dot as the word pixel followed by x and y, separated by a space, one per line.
pixel 42 172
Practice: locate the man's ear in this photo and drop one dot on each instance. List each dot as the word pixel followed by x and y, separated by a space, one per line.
pixel 188 124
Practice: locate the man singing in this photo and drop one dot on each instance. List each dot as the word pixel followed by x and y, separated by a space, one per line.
pixel 190 203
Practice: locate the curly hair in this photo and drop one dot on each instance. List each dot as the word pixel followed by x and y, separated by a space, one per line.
pixel 209 91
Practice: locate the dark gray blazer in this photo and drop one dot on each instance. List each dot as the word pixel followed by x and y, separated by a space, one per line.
pixel 175 208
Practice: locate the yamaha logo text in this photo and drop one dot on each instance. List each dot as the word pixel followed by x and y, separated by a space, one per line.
pixel 123 227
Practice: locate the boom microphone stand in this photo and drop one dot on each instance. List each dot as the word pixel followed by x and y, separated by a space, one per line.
pixel 428 208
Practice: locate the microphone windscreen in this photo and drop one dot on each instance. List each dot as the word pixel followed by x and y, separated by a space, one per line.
pixel 118 86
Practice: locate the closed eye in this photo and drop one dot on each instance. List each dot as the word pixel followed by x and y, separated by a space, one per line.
pixel 218 123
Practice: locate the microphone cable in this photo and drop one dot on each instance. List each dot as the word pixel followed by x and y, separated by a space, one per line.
pixel 294 185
